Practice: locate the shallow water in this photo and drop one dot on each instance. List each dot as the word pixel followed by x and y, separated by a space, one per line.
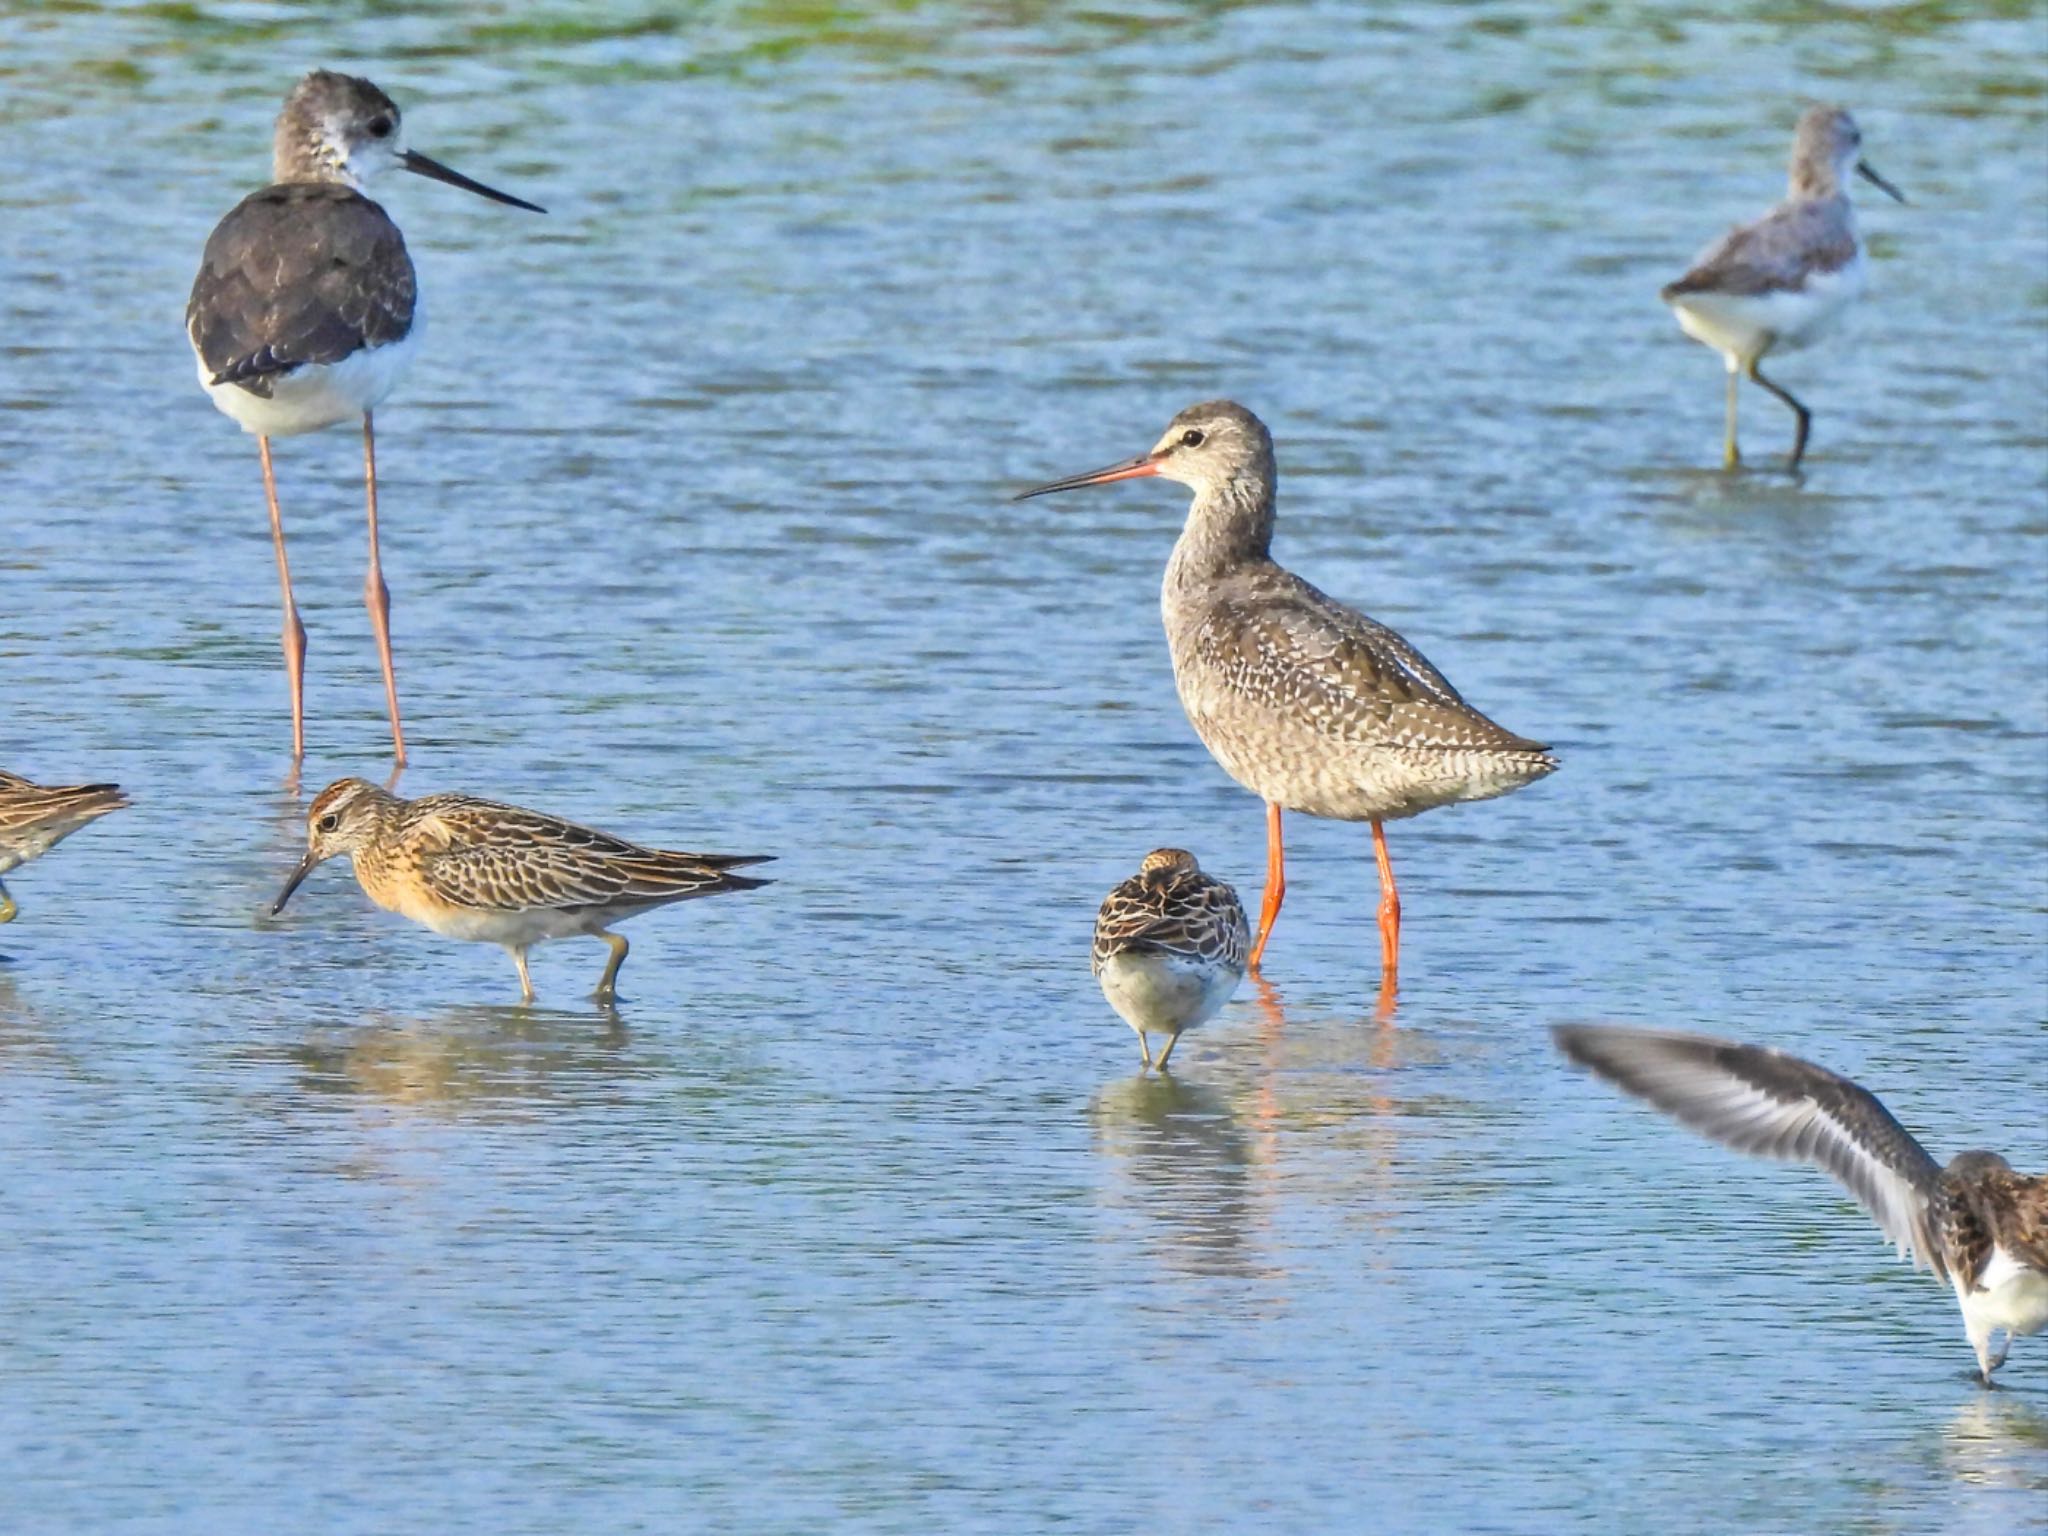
pixel 856 1215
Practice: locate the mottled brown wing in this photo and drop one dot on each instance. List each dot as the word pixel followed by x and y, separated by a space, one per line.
pixel 2018 1217
pixel 297 274
pixel 1185 913
pixel 1284 644
pixel 1773 254
pixel 504 857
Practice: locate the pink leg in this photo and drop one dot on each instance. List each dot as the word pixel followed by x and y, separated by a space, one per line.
pixel 377 596
pixel 294 631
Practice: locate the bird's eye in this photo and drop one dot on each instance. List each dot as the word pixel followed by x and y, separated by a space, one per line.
pixel 1192 438
pixel 380 127
pixel 330 821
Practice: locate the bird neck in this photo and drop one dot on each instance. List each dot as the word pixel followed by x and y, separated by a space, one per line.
pixel 1229 525
pixel 297 154
pixel 1815 179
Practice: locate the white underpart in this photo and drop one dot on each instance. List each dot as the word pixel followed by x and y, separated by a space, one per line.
pixel 514 929
pixel 1165 994
pixel 1743 327
pixel 2009 1295
pixel 317 395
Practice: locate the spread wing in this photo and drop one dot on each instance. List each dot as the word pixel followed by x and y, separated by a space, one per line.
pixel 1281 642
pixel 502 857
pixel 1770 1104
pixel 295 274
pixel 1775 253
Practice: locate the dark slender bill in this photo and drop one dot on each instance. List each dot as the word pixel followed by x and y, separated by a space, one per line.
pixel 1878 181
pixel 306 866
pixel 434 170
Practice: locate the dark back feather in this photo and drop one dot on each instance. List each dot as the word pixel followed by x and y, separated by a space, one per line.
pixel 304 272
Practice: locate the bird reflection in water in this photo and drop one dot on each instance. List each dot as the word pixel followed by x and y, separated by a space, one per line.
pixel 1188 1169
pixel 1299 1089
pixel 1997 1440
pixel 1211 1152
pixel 483 1057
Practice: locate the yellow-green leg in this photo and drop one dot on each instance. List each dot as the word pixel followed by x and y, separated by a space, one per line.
pixel 1144 1045
pixel 7 906
pixel 518 954
pixel 1731 455
pixel 1171 1042
pixel 608 983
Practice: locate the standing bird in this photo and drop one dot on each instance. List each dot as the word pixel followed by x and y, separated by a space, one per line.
pixel 1310 705
pixel 1976 1224
pixel 1169 948
pixel 305 312
pixel 34 818
pixel 499 874
pixel 1779 283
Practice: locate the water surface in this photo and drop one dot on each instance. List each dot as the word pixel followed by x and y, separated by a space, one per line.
pixel 856 1215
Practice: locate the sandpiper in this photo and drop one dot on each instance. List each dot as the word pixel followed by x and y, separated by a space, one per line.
pixel 1777 284
pixel 306 312
pixel 1976 1223
pixel 501 874
pixel 1169 948
pixel 1310 705
pixel 34 818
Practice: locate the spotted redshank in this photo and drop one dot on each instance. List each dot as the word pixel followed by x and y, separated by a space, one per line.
pixel 1778 284
pixel 1169 948
pixel 1310 705
pixel 500 874
pixel 1976 1223
pixel 306 312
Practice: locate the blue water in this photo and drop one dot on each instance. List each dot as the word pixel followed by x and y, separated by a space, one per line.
pixel 857 1215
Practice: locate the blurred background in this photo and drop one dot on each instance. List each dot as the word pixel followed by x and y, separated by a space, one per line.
pixel 856 1215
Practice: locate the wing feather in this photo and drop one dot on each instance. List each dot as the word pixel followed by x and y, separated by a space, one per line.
pixel 1285 644
pixel 1769 1104
pixel 296 274
pixel 478 853
pixel 1775 253
pixel 1181 913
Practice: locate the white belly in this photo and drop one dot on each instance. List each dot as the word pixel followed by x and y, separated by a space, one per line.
pixel 1165 994
pixel 1742 327
pixel 2010 1296
pixel 319 394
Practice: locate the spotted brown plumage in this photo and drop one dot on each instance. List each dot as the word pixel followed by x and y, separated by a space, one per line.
pixel 1306 702
pixel 1169 948
pixel 477 869
pixel 1975 1223
pixel 34 818
pixel 1171 907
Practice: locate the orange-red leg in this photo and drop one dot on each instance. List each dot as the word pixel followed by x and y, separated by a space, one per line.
pixel 377 596
pixel 294 631
pixel 1276 883
pixel 1390 910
